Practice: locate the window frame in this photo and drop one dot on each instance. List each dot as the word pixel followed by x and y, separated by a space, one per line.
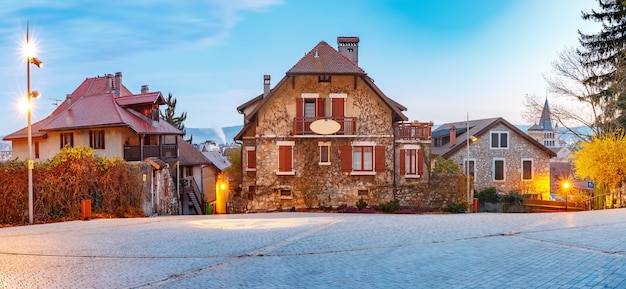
pixel 97 139
pixel 250 154
pixel 530 170
pixel 324 146
pixel 64 140
pixel 494 171
pixel 472 167
pixel 499 144
pixel 282 147
pixel 360 160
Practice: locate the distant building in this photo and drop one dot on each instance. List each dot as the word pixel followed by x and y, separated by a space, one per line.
pixel 546 132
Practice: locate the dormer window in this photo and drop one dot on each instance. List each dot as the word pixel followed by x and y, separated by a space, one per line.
pixel 324 78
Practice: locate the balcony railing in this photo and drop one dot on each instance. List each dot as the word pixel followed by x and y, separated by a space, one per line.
pixel 302 125
pixel 414 130
pixel 133 153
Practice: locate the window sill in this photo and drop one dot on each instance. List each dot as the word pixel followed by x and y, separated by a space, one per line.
pixel 286 197
pixel 324 164
pixel 285 173
pixel 412 176
pixel 250 170
pixel 363 173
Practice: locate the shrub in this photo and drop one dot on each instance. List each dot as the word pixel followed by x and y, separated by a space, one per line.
pixel 390 207
pixel 488 195
pixel 456 208
pixel 513 198
pixel 361 204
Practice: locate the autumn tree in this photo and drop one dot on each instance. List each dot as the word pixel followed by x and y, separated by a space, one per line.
pixel 603 160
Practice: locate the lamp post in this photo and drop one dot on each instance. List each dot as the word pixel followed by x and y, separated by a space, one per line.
pixel 30 60
pixel 566 186
pixel 467 134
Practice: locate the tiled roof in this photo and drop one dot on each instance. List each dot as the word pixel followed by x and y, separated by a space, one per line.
pixel 324 59
pixel 476 128
pixel 94 104
pixel 189 156
pixel 217 159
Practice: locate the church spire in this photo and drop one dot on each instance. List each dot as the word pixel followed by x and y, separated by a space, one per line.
pixel 546 119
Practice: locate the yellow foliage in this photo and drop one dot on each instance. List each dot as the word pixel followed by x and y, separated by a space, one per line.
pixel 603 160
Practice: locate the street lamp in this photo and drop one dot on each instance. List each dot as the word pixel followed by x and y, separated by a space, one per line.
pixel 30 60
pixel 566 186
pixel 467 163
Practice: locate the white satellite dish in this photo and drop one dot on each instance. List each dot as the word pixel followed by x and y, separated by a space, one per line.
pixel 325 126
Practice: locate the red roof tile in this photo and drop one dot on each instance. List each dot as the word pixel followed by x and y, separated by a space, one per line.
pixel 324 59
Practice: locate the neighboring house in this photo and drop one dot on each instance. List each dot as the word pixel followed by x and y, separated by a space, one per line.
pixel 500 155
pixel 326 135
pixel 104 115
pixel 216 191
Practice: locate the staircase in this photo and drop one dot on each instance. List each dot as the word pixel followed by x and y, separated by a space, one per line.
pixel 195 196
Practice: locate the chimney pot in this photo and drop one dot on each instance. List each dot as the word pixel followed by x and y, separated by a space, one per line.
pixel 144 89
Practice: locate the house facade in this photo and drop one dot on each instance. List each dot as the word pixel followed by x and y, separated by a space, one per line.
pixel 326 135
pixel 500 155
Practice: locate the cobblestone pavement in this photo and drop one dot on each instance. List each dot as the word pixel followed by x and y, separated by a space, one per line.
pixel 309 250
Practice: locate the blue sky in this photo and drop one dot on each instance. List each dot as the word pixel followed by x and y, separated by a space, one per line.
pixel 440 59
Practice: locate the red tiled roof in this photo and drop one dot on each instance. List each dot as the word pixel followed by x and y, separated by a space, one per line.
pixel 150 97
pixel 93 104
pixel 324 59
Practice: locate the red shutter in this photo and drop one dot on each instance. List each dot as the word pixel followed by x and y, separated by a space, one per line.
pixel 346 158
pixel 338 107
pixel 284 159
pixel 320 107
pixel 402 162
pixel 299 107
pixel 380 159
pixel 251 159
pixel 420 162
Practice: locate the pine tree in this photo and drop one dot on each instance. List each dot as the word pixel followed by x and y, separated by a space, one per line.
pixel 606 50
pixel 170 114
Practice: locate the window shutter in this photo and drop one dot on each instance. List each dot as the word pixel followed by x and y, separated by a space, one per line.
pixel 380 159
pixel 338 107
pixel 284 159
pixel 299 107
pixel 251 159
pixel 320 107
pixel 103 140
pixel 91 139
pixel 346 158
pixel 402 162
pixel 420 162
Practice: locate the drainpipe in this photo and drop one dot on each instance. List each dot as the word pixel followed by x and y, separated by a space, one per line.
pixel 395 125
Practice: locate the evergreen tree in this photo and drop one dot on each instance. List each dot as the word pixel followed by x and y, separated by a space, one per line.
pixel 606 50
pixel 170 116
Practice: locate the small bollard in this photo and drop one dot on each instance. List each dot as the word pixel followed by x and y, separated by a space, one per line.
pixel 85 209
pixel 475 205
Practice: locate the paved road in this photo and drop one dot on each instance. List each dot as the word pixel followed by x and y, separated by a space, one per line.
pixel 308 250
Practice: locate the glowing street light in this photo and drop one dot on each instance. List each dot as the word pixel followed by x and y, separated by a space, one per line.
pixel 469 139
pixel 30 59
pixel 566 186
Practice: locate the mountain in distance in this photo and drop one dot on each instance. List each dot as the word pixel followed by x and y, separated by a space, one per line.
pixel 220 135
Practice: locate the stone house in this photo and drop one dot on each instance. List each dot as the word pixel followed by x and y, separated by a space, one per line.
pixel 326 135
pixel 500 155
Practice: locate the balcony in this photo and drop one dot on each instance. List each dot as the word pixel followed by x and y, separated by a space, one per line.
pixel 414 130
pixel 164 151
pixel 302 125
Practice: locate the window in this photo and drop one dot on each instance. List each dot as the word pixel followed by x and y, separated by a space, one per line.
pixel 324 78
pixel 363 194
pixel 285 194
pixel 36 149
pixel 67 139
pixel 251 192
pixel 411 161
pixel 250 159
pixel 324 153
pixel 500 140
pixel 309 107
pixel 363 158
pixel 285 158
pixel 527 169
pixel 96 139
pixel 472 168
pixel 498 170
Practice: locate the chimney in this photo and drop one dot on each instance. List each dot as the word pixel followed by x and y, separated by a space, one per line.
pixel 266 85
pixel 68 98
pixel 118 83
pixel 144 89
pixel 349 47
pixel 452 135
